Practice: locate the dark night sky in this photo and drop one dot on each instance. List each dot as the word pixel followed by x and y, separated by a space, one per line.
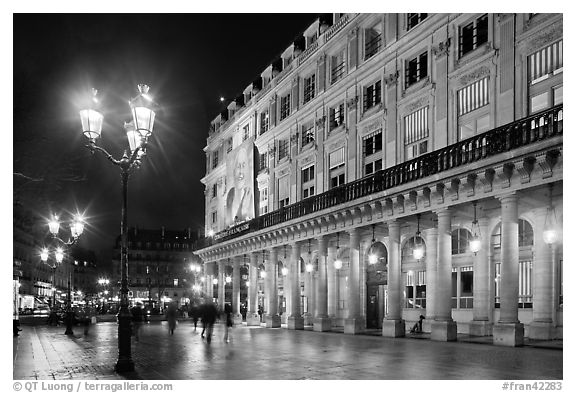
pixel 189 61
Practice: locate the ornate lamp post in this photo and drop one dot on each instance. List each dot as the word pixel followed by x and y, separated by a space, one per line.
pixel 76 229
pixel 138 131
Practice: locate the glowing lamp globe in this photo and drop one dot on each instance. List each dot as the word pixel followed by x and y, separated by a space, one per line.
pixel 418 252
pixel 338 264
pixel 262 274
pixel 284 271
pixel 59 255
pixel 228 280
pixel 372 259
pixel 215 281
pixel 44 255
pixel 142 112
pixel 475 244
pixel 309 267
pixel 54 225
pixel 550 236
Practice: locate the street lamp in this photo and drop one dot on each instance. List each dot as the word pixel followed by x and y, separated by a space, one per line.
pixel 76 230
pixel 143 115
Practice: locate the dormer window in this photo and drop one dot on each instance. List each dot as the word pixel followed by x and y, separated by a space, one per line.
pixel 414 19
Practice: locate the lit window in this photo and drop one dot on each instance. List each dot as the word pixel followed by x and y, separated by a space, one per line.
pixel 264 121
pixel 307 133
pixel 473 35
pixel 545 84
pixel 283 191
pixel 416 133
pixel 263 201
pixel 336 116
pixel 371 145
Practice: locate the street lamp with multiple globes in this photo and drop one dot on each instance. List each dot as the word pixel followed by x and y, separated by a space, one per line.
pixel 58 248
pixel 138 131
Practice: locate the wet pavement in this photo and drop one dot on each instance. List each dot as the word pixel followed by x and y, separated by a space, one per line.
pixel 257 353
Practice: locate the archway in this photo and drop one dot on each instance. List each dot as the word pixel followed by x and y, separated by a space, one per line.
pixel 376 284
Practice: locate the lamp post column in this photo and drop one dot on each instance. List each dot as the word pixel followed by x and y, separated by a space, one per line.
pixel 252 318
pixel 322 322
pixel 124 362
pixel 69 312
pixel 295 320
pixel 508 331
pixel 393 325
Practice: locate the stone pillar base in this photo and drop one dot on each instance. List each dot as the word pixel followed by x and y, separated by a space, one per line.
pixel 353 325
pixel 541 331
pixel 322 324
pixel 444 331
pixel 295 323
pixel 508 334
pixel 393 328
pixel 480 328
pixel 253 320
pixel 272 321
pixel 284 318
pixel 238 319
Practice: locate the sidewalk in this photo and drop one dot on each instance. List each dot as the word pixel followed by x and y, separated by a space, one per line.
pixel 45 352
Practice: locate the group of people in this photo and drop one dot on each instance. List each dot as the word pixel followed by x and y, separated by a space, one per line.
pixel 207 312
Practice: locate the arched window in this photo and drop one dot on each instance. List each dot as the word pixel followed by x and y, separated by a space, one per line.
pixel 460 241
pixel 525 234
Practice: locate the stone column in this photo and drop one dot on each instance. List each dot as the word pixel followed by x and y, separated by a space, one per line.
pixel 252 317
pixel 541 327
pixel 431 239
pixel 272 317
pixel 393 325
pixel 221 284
pixel 236 292
pixel 209 279
pixel 295 320
pixel 443 327
pixel 322 322
pixel 354 323
pixel 480 324
pixel 331 283
pixel 508 331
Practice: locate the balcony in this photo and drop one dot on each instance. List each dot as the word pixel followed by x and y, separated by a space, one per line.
pixel 524 132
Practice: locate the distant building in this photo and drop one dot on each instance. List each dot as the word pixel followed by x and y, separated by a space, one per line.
pixel 373 153
pixel 159 266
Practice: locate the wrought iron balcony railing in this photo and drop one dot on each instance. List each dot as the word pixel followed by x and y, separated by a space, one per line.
pixel 524 132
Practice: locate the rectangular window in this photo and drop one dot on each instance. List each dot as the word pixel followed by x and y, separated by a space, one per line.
pixel 214 190
pixel 473 35
pixel 337 167
pixel 336 116
pixel 338 67
pixel 264 122
pixel 525 284
pixel 263 206
pixel 372 143
pixel 246 132
pixel 473 96
pixel 282 149
pixel 308 133
pixel 229 145
pixel 214 217
pixel 372 40
pixel 420 300
pixel 284 106
pixel 308 182
pixel 309 88
pixel 466 296
pixel 372 95
pixel 545 62
pixel 214 159
pixel 414 19
pixel 416 129
pixel 416 69
pixel 283 191
pixel 262 162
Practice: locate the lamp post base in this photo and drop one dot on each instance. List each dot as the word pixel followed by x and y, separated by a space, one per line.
pixel 124 362
pixel 124 366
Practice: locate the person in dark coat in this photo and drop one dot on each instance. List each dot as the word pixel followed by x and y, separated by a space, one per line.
pixel 209 315
pixel 229 320
pixel 171 316
pixel 137 320
pixel 194 313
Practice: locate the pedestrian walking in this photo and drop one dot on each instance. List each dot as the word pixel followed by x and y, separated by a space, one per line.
pixel 137 320
pixel 195 312
pixel 229 321
pixel 171 315
pixel 209 316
